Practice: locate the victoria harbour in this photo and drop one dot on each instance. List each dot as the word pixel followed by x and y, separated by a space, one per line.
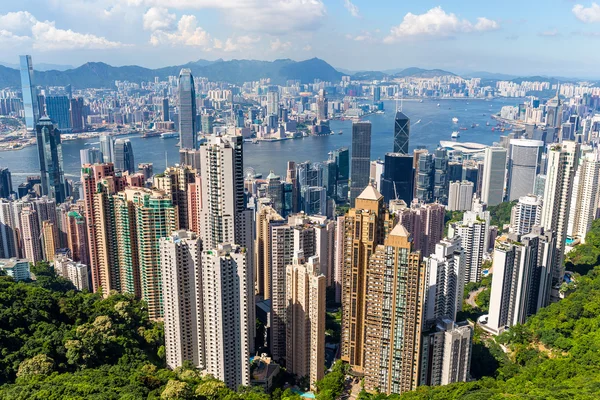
pixel 429 125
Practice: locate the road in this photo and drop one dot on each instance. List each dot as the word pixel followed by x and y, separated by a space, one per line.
pixel 472 295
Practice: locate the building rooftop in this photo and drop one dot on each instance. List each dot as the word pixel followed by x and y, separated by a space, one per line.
pixel 399 230
pixel 370 193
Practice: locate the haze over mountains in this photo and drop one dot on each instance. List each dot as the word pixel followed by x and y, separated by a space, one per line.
pixel 101 75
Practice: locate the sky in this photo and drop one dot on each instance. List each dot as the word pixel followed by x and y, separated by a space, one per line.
pixel 519 37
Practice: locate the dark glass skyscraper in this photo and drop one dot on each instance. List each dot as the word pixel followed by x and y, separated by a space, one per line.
pixel 51 160
pixel 5 183
pixel 425 178
pixel 77 114
pixel 187 110
pixel 30 98
pixel 398 179
pixel 361 158
pixel 124 156
pixel 57 109
pixel 401 133
pixel 341 157
pixel 440 184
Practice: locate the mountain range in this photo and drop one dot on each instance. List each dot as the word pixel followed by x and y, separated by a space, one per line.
pixel 101 75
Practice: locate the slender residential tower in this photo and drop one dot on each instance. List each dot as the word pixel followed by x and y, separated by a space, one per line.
pixel 187 110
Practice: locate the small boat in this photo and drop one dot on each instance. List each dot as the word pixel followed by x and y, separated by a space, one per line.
pixel 455 120
pixel 487 124
pixel 420 101
pixel 169 135
pixel 340 132
pixel 462 128
pixel 455 134
pixel 473 126
pixel 438 104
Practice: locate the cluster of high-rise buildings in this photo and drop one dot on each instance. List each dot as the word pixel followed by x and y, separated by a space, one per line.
pixel 212 248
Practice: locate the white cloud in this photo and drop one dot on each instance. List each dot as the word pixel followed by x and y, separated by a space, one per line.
pixel 550 33
pixel 270 16
pixel 158 18
pixel 48 37
pixel 308 47
pixel 188 33
pixel 235 44
pixel 277 45
pixel 9 39
pixel 352 8
pixel 436 22
pixel 588 15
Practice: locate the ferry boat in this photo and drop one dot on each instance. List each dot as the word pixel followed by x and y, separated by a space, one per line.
pixel 340 132
pixel 455 134
pixel 455 120
pixel 169 135
pixel 438 104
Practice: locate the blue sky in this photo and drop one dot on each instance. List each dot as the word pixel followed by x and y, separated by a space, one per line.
pixel 552 37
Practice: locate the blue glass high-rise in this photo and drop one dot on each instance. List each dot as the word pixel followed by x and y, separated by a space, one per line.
pixel 187 110
pixel 51 160
pixel 30 99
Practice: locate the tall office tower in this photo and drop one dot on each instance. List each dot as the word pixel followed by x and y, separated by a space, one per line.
pixel 455 171
pixel 77 237
pixel 361 159
pixel 273 101
pixel 291 178
pixel 584 202
pixel 31 235
pixel 522 278
pixel 314 200
pixel 91 155
pixel 395 293
pixel 175 183
pixel 181 270
pixel 187 110
pixel 8 230
pixel 523 166
pixel 425 178
pixel 446 353
pixel 305 322
pixel 190 158
pixel 397 182
pixel 494 172
pixel 100 183
pixel 266 218
pixel 57 109
pixel 142 217
pixel 401 133
pixel 471 174
pixel 445 280
pixel 165 109
pixel 330 174
pixel 49 240
pixel 275 191
pixel 440 179
pixel 554 111
pixel 240 122
pixel 425 223
pixel 560 176
pixel 124 156
pixel 526 214
pixel 473 231
pixel 370 211
pixel 227 302
pixel 107 148
pixel 76 114
pixel 460 196
pixel 5 183
pixel 376 94
pixel 30 97
pixel 341 157
pixel 322 105
pixel 207 123
pixel 51 160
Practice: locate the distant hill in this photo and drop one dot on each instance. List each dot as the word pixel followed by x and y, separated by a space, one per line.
pixel 422 73
pixel 98 74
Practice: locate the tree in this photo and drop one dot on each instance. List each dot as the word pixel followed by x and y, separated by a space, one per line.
pixel 38 365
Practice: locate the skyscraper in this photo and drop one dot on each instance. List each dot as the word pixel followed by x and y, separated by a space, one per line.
pixel 175 183
pixel 31 235
pixel 425 178
pixel 473 231
pixel 440 180
pixel 51 160
pixel 57 109
pixel 523 166
pixel 182 294
pixel 584 202
pixel 424 222
pixel 228 313
pixel 30 97
pixel 494 171
pixel 123 153
pixel 370 211
pixel 397 182
pixel 91 155
pixel 395 293
pixel 107 147
pixel 460 196
pixel 165 109
pixel 361 158
pixel 401 133
pixel 5 183
pixel 187 110
pixel 77 114
pixel 526 214
pixel 266 218
pixel 560 177
pixel 342 160
pixel 305 322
